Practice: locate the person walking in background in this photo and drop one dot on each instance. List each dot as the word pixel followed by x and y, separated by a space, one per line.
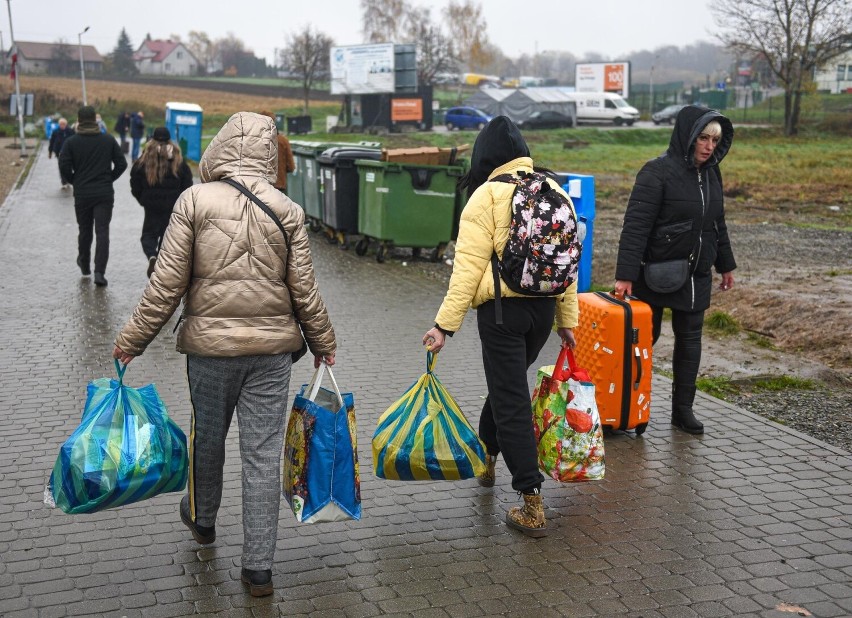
pixel 91 162
pixel 137 132
pixel 246 291
pixel 511 347
pixel 157 178
pixel 676 214
pixel 101 124
pixel 54 147
pixel 286 163
pixel 122 126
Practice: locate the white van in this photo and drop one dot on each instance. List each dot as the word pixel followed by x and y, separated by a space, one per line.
pixel 604 107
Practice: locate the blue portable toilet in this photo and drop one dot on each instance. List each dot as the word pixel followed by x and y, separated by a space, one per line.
pixel 581 189
pixel 183 120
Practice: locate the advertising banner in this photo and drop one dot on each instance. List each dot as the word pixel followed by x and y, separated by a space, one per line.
pixel 603 77
pixel 406 110
pixel 362 69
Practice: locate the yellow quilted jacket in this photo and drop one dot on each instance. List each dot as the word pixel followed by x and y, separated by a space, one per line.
pixel 242 289
pixel 484 228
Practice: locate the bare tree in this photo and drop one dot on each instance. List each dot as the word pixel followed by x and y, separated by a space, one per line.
pixel 383 21
pixel 231 51
pixel 62 60
pixel 467 29
pixel 307 56
pixel 435 51
pixel 792 36
pixel 203 49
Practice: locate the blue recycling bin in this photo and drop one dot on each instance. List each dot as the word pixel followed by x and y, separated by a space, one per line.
pixel 581 189
pixel 183 120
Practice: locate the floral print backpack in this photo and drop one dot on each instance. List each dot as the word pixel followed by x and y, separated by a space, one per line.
pixel 542 253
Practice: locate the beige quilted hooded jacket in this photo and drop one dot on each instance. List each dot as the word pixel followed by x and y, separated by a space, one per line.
pixel 227 260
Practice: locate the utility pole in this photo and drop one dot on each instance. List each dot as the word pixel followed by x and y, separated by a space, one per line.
pixel 82 68
pixel 17 83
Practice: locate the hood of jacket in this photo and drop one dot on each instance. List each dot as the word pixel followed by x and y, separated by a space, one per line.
pixel 497 144
pixel 245 146
pixel 688 125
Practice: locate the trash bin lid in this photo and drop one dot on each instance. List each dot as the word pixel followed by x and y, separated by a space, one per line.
pixel 339 153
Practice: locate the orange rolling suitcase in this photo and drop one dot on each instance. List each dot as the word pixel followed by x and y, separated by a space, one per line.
pixel 614 344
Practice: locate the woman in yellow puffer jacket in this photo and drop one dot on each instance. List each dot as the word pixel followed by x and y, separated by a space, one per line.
pixel 510 348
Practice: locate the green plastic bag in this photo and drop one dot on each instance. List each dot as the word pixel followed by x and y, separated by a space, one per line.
pixel 126 449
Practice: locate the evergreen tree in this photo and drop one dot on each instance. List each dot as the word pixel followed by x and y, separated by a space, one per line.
pixel 122 56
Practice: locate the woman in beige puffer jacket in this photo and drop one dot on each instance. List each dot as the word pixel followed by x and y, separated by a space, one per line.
pixel 246 291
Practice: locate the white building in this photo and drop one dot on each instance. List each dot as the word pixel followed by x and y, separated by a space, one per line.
pixel 165 58
pixel 836 75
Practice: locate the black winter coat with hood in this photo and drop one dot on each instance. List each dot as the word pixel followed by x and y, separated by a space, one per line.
pixel 663 221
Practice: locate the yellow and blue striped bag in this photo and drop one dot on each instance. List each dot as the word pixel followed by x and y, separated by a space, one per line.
pixel 424 436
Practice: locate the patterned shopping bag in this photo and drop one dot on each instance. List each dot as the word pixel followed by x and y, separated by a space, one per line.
pixel 566 421
pixel 424 436
pixel 126 449
pixel 321 480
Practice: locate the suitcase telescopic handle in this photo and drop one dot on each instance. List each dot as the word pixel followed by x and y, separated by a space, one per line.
pixel 638 358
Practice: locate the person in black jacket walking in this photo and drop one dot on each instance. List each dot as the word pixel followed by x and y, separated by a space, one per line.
pixel 676 215
pixel 157 178
pixel 92 161
pixel 57 140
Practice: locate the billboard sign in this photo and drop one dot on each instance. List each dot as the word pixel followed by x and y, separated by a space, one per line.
pixel 603 77
pixel 362 69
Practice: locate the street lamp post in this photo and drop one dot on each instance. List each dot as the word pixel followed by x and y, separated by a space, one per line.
pixel 651 86
pixel 82 68
pixel 18 100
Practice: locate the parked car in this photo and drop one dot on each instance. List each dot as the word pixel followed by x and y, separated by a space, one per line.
pixel 546 119
pixel 466 118
pixel 667 114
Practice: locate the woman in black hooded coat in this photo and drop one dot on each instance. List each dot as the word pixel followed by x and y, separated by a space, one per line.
pixel 676 211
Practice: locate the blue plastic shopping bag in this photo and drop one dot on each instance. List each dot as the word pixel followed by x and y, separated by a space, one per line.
pixel 126 449
pixel 424 436
pixel 320 479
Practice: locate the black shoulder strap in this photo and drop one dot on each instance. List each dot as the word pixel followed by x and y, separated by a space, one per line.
pixel 262 206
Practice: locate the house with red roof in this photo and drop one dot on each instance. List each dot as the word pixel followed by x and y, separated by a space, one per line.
pixel 165 57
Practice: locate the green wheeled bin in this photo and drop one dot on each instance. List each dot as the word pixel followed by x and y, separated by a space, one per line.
pixel 305 155
pixel 406 205
pixel 295 179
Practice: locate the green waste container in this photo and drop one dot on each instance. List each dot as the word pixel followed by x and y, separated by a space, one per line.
pixel 305 155
pixel 296 178
pixel 406 205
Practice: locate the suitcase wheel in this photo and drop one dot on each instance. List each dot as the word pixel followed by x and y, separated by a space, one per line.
pixel 640 429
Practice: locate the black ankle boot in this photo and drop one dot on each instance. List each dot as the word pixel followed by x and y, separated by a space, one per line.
pixel 684 419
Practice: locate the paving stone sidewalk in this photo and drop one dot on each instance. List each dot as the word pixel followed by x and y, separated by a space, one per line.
pixel 751 519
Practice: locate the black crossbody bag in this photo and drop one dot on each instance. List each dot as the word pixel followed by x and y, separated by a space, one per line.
pixel 304 349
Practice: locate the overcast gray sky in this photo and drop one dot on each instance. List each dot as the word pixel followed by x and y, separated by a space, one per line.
pixel 613 28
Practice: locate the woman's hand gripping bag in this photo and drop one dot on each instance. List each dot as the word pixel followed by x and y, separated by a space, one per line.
pixel 126 449
pixel 566 422
pixel 320 479
pixel 424 436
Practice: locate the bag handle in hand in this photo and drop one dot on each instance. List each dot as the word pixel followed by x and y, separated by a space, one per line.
pixel 120 369
pixel 431 360
pixel 316 381
pixel 566 367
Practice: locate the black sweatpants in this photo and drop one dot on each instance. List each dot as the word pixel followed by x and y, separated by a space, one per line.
pixel 153 227
pixel 93 214
pixel 686 356
pixel 508 350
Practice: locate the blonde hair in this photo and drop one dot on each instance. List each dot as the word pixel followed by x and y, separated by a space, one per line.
pixel 713 128
pixel 158 160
